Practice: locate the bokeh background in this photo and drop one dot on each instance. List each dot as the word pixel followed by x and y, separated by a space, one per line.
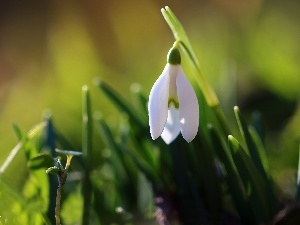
pixel 249 51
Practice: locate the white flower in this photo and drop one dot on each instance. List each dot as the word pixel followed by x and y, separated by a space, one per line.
pixel 173 105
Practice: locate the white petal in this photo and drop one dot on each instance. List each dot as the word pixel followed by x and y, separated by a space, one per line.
pixel 188 107
pixel 172 127
pixel 158 104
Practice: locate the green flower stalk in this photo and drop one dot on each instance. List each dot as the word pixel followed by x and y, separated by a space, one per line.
pixel 62 174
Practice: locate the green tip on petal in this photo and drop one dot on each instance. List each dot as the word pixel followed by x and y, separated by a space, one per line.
pixel 173 102
pixel 174 57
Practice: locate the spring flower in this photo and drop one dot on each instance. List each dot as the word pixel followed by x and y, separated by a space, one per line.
pixel 173 105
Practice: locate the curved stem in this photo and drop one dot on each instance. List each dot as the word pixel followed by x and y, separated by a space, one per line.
pixel 58 199
pixel 208 92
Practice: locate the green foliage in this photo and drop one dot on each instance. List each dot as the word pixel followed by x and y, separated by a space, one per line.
pixel 42 160
pixel 131 179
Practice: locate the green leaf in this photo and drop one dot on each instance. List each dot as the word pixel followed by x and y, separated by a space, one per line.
pixel 18 132
pixel 143 166
pixel 53 170
pixel 232 178
pixel 42 160
pixel 207 173
pixel 188 199
pixel 49 133
pixel 68 152
pixel 120 167
pixel 16 209
pixel 13 153
pixel 251 146
pixel 258 125
pixel 87 153
pixel 298 178
pixel 198 204
pixel 86 126
pixel 122 104
pixel 145 196
pixel 258 156
pixel 24 142
pixel 252 180
pixel 140 99
pixel 36 130
pixel 260 148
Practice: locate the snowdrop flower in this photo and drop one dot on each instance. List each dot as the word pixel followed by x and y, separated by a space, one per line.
pixel 173 105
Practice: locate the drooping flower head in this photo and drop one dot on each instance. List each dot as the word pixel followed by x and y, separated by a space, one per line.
pixel 173 105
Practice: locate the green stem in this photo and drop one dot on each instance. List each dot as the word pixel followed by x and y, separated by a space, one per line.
pixel 62 177
pixel 58 199
pixel 208 92
pixel 86 150
pixel 221 120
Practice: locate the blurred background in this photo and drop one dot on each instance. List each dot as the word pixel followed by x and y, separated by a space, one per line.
pixel 249 51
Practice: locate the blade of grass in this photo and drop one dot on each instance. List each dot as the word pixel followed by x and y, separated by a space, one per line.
pixel 140 99
pixel 118 163
pixel 36 130
pixel 188 212
pixel 258 156
pixel 198 205
pixel 298 179
pixel 122 104
pixel 8 191
pixel 180 180
pixel 258 125
pixel 232 179
pixel 49 133
pixel 11 157
pixel 141 154
pixel 18 131
pixel 252 180
pixel 42 160
pixel 253 151
pixel 145 195
pixel 144 167
pixel 199 150
pixel 121 163
pixel 87 154
pixel 260 149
